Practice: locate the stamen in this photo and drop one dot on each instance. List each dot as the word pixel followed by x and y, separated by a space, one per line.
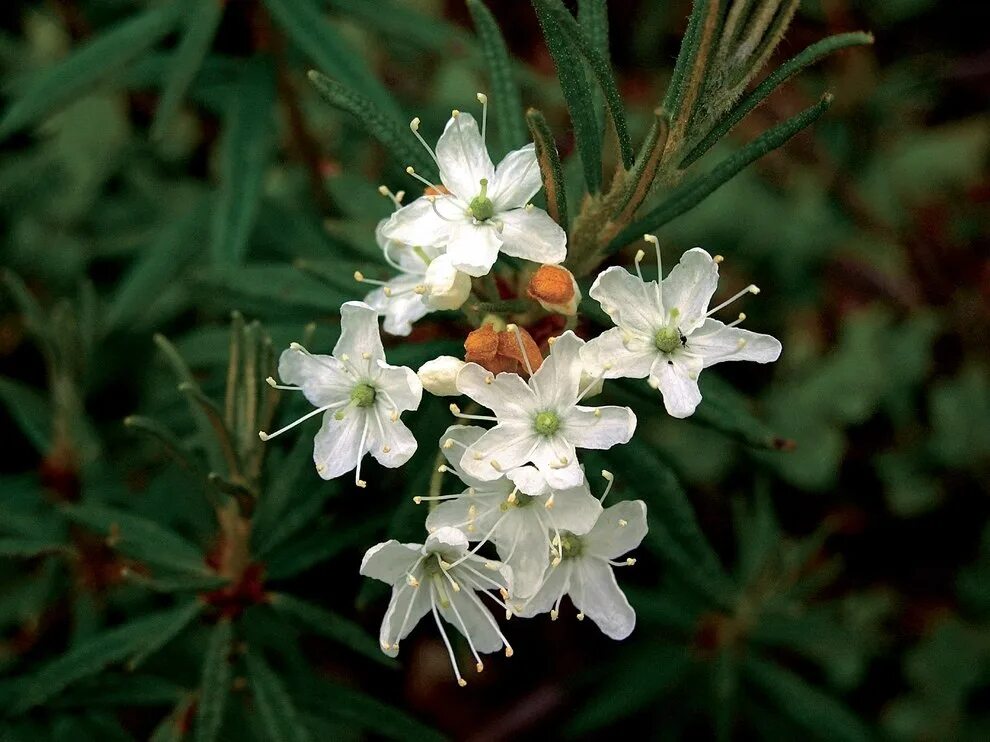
pixel 656 246
pixel 740 318
pixel 420 499
pixel 483 99
pixel 751 289
pixel 483 541
pixel 360 454
pixel 624 563
pixel 610 478
pixel 494 624
pixel 360 278
pixel 443 635
pixel 414 126
pixel 412 171
pixel 514 328
pixel 396 198
pixel 433 203
pixel 284 387
pixel 636 261
pixel 268 436
pixel 456 412
pixel 479 665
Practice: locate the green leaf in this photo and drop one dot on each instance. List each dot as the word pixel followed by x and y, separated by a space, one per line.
pixel 690 194
pixel 90 64
pixel 550 168
pixel 244 155
pixel 774 80
pixel 577 91
pixel 117 689
pixel 30 410
pixel 825 717
pixel 279 718
pixel 600 68
pixel 727 411
pixel 593 17
pixel 506 101
pixel 403 22
pixel 331 626
pixel 139 537
pixel 214 686
pixel 395 137
pixel 173 246
pixel 200 28
pixel 102 650
pixel 265 284
pixel 30 547
pixel 685 57
pixel 367 713
pixel 306 25
pixel 172 727
pixel 319 545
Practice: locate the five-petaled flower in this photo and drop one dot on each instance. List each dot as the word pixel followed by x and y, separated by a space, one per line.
pixel 361 395
pixel 481 210
pixel 443 578
pixel 540 420
pixel 583 571
pixel 665 330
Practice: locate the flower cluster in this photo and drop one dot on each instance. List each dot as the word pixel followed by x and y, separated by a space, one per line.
pixel 524 493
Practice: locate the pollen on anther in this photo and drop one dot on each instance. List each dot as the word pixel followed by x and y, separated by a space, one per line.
pixel 623 522
pixel 414 124
pixel 449 443
pixel 718 258
pixel 263 435
pixel 580 617
pixel 554 614
pixel 358 276
pixel 461 682
pixel 630 561
pixel 361 483
pixel 508 651
pixel 386 449
pixel 442 469
pixel 418 500
pixel 479 667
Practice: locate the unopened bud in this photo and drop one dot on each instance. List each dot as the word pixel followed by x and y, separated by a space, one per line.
pixel 446 287
pixel 554 287
pixel 438 375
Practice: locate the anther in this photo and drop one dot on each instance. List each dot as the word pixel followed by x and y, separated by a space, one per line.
pixel 580 617
pixel 418 500
pixel 718 258
pixel 623 522
pixel 554 613
pixel 479 667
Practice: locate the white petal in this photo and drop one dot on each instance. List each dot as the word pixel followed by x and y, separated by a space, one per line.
pixel 401 384
pixel 446 287
pixel 556 582
pixel 595 593
pixel 517 179
pixel 522 542
pixel 557 461
pixel 464 435
pixel 417 224
pixel 359 333
pixel 531 234
pixel 557 380
pixel 610 539
pixel 411 260
pixel 407 606
pixel 322 378
pixel 624 359
pixel 473 248
pixel 529 481
pixel 336 447
pixel 389 561
pixel 507 395
pixel 599 427
pixel 502 448
pixel 391 442
pixel 402 310
pixel 445 541
pixel 463 158
pixel 472 620
pixel 458 514
pixel 678 382
pixel 630 303
pixel 689 288
pixel 575 509
pixel 439 376
pixel 715 343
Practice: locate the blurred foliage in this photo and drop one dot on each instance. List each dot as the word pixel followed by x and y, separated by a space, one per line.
pixel 819 555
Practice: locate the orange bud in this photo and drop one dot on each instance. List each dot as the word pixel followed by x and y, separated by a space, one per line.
pixel 554 287
pixel 499 352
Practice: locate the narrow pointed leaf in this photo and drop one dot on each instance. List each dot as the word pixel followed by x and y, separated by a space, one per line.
pixel 90 64
pixel 331 626
pixel 245 152
pixel 401 20
pixel 565 23
pixel 774 80
pixel 99 651
pixel 577 91
pixel 214 686
pixel 550 168
pixel 30 410
pixel 200 28
pixel 593 17
pixel 140 538
pixel 506 102
pixel 367 713
pixel 309 28
pixel 172 727
pixel 276 711
pixel 387 129
pixel 724 409
pixel 30 547
pixel 690 194
pixel 319 545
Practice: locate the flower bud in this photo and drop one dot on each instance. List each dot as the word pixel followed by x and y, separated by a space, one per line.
pixel 554 287
pixel 438 376
pixel 502 351
pixel 446 287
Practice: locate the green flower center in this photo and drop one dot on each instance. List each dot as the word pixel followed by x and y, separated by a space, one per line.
pixel 667 339
pixel 481 207
pixel 570 545
pixel 363 395
pixel 547 423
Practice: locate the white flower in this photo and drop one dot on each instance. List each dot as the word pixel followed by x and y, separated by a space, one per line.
pixel 426 282
pixel 440 577
pixel 665 331
pixel 439 376
pixel 540 420
pixel 584 571
pixel 360 393
pixel 519 512
pixel 481 210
